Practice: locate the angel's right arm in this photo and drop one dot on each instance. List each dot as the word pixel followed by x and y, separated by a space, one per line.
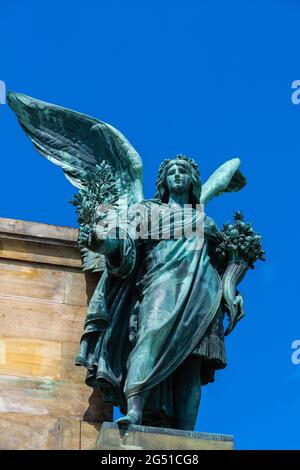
pixel 93 239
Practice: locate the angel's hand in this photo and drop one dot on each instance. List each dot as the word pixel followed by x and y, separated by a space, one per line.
pixel 85 236
pixel 239 304
pixel 98 238
pixel 92 236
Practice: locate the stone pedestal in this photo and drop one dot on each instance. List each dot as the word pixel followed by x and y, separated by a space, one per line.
pixel 44 402
pixel 114 437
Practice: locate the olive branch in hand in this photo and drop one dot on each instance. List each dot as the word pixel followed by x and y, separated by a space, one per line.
pixel 99 187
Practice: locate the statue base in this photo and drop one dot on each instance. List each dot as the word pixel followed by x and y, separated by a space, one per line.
pixel 116 437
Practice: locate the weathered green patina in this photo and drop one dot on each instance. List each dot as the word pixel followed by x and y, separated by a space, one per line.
pixel 154 328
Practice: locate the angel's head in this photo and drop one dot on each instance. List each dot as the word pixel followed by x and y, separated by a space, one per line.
pixel 179 175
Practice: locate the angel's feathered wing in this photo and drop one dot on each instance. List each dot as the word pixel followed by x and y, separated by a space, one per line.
pixel 227 178
pixel 77 143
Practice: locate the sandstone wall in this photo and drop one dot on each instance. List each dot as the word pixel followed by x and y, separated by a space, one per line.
pixel 44 402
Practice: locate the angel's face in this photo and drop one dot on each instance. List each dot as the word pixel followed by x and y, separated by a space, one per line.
pixel 179 178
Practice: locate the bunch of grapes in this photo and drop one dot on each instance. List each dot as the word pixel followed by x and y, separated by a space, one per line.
pixel 240 242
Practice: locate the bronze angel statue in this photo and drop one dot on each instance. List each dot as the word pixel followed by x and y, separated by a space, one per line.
pixel 154 332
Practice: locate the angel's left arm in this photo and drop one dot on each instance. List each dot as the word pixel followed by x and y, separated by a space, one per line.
pixel 211 230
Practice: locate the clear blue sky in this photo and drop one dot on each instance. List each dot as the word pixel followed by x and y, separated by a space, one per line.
pixel 208 78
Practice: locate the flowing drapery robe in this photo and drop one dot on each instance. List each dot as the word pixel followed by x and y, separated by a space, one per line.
pixel 160 304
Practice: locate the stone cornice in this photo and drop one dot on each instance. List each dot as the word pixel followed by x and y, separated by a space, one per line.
pixel 35 242
pixel 38 232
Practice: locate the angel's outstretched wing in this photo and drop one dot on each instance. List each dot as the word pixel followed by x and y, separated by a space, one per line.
pixel 227 178
pixel 77 143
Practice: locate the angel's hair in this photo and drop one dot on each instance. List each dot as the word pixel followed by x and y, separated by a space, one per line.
pixel 162 191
